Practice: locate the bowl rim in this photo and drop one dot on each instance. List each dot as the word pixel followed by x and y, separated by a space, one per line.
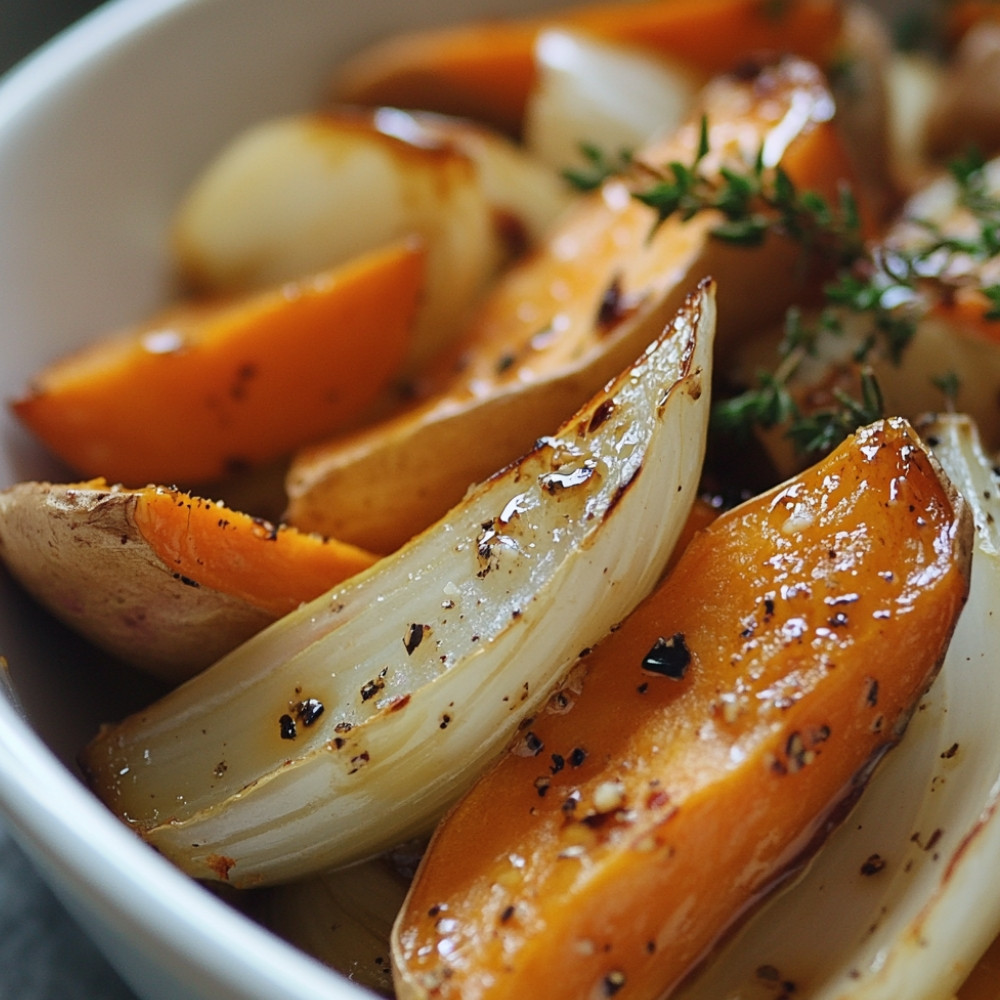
pixel 95 865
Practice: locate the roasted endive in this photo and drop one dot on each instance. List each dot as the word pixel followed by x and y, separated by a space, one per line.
pixel 351 724
pixel 706 747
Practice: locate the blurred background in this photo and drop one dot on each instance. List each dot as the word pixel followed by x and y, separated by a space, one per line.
pixel 26 24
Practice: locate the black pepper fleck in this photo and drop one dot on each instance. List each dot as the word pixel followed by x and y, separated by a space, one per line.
pixel 308 711
pixel 668 657
pixel 287 727
pixel 873 865
pixel 414 636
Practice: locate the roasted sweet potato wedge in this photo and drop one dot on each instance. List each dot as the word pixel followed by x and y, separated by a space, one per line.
pixel 486 70
pixel 565 320
pixel 702 750
pixel 165 580
pixel 204 390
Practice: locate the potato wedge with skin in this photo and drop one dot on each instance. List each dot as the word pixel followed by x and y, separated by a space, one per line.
pixel 164 580
pixel 486 71
pixel 705 747
pixel 557 326
pixel 204 390
pixel 417 672
pixel 296 194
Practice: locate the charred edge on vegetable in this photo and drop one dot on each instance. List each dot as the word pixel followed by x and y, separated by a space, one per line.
pixel 621 491
pixel 668 657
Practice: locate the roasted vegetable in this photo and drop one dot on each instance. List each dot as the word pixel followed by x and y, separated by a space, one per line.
pixel 706 747
pixel 576 311
pixel 205 390
pixel 165 580
pixel 351 724
pixel 295 194
pixel 486 71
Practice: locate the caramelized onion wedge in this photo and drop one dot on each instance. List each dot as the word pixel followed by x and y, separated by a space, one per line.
pixel 351 724
pixel 708 745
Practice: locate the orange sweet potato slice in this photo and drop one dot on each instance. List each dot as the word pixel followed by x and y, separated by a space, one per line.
pixel 209 389
pixel 704 748
pixel 573 313
pixel 486 70
pixel 165 580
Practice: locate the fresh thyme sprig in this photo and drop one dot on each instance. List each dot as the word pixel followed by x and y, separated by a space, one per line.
pixel 881 285
pixel 598 167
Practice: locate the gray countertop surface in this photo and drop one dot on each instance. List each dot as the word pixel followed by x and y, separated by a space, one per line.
pixel 44 955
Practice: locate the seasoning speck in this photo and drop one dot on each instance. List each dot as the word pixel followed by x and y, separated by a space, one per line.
pixel 668 657
pixel 308 711
pixel 873 865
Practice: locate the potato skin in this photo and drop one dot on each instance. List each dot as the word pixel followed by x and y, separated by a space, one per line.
pixel 706 747
pixel 163 580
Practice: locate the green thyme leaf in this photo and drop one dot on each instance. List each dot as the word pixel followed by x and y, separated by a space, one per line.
pixel 599 167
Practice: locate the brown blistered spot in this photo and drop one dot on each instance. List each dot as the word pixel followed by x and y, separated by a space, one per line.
pixel 871 692
pixel 950 752
pixel 873 864
pixel 399 703
pixel 244 375
pixel 600 415
pixel 221 865
pixel 613 306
